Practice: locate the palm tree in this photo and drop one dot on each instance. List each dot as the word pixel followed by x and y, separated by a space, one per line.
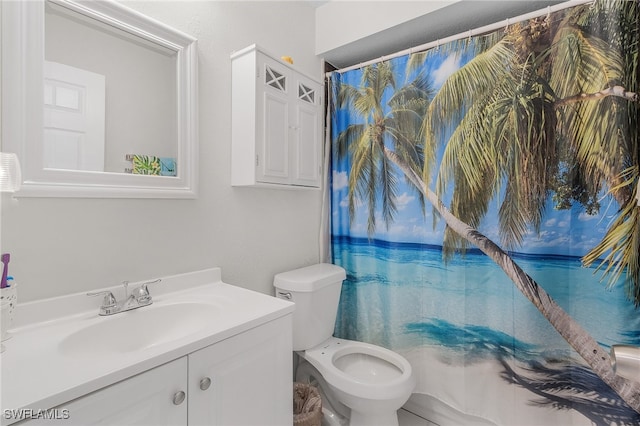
pixel 538 119
pixel 368 143
pixel 509 130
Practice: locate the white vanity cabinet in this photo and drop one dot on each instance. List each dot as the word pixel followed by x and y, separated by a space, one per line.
pixel 276 118
pixel 243 380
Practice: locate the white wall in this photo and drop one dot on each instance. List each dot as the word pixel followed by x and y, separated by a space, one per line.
pixel 339 22
pixel 61 246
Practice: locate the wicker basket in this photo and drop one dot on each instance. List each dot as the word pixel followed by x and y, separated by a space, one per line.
pixel 307 405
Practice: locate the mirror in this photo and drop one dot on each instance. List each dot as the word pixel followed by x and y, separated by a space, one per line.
pixel 108 104
pixel 100 109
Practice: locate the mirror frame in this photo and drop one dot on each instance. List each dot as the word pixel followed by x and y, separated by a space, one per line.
pixel 23 99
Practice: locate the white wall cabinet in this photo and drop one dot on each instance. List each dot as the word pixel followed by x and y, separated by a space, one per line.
pixel 276 117
pixel 243 380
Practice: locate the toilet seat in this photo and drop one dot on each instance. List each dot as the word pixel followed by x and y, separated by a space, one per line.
pixel 362 369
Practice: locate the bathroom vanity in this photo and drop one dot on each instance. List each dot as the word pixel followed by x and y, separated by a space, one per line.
pixel 205 352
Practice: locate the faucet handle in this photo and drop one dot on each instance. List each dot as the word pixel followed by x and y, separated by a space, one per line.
pixel 109 300
pixel 142 292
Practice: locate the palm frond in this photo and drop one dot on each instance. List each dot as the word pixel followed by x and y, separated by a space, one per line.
pixel 362 175
pixel 476 44
pixel 347 138
pixel 465 87
pixel 346 94
pixel 585 64
pixel 619 251
pixel 389 190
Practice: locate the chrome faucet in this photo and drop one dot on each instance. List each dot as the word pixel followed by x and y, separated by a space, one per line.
pixel 138 298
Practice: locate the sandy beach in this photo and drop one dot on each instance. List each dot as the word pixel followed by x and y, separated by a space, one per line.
pixel 450 395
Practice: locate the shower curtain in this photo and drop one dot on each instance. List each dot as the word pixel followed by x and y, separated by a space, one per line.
pixel 528 135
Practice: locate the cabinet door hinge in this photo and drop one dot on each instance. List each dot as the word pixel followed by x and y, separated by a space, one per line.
pixel 257 160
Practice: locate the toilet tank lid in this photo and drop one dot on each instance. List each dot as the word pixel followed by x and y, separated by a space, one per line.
pixel 310 278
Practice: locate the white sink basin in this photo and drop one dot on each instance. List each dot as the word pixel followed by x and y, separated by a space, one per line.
pixel 139 329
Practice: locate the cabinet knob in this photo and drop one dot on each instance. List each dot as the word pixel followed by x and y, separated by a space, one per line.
pixel 205 383
pixel 179 397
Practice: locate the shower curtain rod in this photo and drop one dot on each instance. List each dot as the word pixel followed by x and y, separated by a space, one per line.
pixel 487 28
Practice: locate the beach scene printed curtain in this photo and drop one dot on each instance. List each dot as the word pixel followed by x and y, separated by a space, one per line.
pixel 483 206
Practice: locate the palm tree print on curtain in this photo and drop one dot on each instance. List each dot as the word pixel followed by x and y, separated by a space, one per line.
pixel 526 137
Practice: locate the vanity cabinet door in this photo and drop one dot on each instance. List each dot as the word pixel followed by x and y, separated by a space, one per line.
pixel 245 379
pixel 150 398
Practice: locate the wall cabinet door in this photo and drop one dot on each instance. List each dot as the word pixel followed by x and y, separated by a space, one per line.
pixel 144 399
pixel 244 380
pixel 307 133
pixel 274 126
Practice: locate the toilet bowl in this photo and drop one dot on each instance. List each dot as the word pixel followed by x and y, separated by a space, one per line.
pixel 373 382
pixel 370 381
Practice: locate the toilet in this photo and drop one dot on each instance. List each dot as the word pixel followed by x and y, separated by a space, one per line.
pixel 363 382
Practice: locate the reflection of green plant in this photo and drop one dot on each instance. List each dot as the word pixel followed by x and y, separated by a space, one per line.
pixel 146 165
pixel 545 99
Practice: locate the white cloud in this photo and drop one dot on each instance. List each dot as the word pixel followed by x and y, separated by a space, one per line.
pixel 424 231
pixel 545 234
pixel 397 229
pixel 583 216
pixel 550 240
pixel 551 222
pixel 491 231
pixel 448 67
pixel 340 180
pixel 345 202
pixel 403 200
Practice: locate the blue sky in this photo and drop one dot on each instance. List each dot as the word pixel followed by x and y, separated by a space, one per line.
pixel 567 232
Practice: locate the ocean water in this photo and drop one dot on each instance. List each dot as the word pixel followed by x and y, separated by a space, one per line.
pixel 402 295
pixel 475 342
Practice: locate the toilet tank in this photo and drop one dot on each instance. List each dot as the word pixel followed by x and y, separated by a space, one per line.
pixel 316 292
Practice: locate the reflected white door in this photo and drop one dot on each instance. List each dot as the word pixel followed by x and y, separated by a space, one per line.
pixel 74 117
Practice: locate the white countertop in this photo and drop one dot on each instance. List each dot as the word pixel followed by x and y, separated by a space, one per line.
pixel 37 374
